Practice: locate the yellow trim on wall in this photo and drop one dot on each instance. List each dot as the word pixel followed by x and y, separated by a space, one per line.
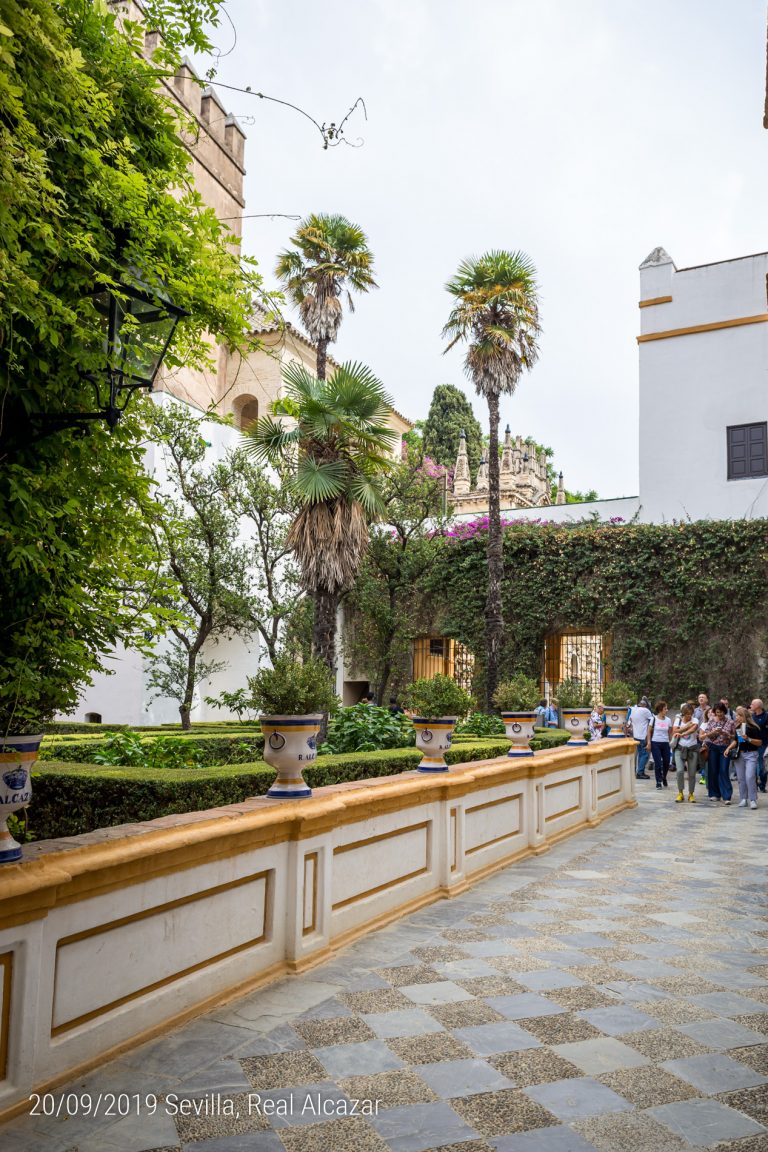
pixel 425 824
pixel 694 329
pixel 312 859
pixel 655 300
pixel 158 910
pixel 278 970
pixel 34 887
pixel 6 968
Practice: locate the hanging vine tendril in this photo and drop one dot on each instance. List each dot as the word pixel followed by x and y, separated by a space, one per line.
pixel 332 134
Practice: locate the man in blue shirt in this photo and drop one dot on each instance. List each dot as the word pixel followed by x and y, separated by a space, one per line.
pixel 550 716
pixel 760 717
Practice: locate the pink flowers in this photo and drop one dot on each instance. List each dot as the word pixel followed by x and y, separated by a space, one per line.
pixel 468 529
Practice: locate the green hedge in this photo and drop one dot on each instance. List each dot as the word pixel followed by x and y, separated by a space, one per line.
pixel 79 727
pixel 684 603
pixel 72 798
pixel 227 749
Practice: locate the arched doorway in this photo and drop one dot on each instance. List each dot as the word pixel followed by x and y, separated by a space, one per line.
pixel 246 411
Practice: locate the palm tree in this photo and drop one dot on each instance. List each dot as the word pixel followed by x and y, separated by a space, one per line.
pixel 331 256
pixel 335 450
pixel 496 311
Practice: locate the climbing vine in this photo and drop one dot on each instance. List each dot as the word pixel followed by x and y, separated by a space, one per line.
pixel 683 603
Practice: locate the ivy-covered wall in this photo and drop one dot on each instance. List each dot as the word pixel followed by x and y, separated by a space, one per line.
pixel 686 604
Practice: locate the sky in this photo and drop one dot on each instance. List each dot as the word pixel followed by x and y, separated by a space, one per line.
pixel 584 134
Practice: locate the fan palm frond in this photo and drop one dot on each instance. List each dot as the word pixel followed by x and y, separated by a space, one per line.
pixel 315 481
pixel 270 441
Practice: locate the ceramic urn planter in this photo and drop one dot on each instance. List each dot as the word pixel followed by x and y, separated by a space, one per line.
pixel 17 755
pixel 433 739
pixel 519 729
pixel 575 722
pixel 615 718
pixel 290 743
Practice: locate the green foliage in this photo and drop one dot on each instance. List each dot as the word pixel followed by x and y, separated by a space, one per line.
pixel 293 688
pixel 385 608
pixel 338 429
pixel 197 536
pixel 266 511
pixel 96 180
pixel 70 799
pixel 573 694
pixel 520 693
pixel 330 255
pixel 480 724
pixel 450 413
pixel 618 692
pixel 440 696
pixel 366 728
pixel 73 727
pixel 129 749
pixel 333 451
pixel 19 828
pixel 238 702
pixel 544 739
pixel 683 617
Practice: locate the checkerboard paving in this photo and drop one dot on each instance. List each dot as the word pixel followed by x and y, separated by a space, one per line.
pixel 608 996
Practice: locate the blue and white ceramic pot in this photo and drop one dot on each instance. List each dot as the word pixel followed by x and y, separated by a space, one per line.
pixel 433 739
pixel 519 729
pixel 290 743
pixel 615 718
pixel 17 755
pixel 575 722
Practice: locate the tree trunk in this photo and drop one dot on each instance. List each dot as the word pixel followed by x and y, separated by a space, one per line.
pixel 324 642
pixel 324 629
pixel 494 622
pixel 322 353
pixel 185 707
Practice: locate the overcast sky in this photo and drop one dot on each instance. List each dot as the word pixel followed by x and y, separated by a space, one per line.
pixel 585 133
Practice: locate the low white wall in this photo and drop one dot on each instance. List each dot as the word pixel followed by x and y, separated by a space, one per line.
pixel 107 939
pixel 623 508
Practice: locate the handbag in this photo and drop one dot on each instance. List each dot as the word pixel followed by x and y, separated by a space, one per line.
pixel 735 752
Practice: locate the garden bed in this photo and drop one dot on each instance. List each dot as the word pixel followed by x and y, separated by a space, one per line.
pixel 73 798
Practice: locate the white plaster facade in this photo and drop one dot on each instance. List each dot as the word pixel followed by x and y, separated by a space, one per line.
pixel 703 353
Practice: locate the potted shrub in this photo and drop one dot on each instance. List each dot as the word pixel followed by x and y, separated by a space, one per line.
pixel 617 697
pixel 21 730
pixel 437 703
pixel 575 700
pixel 292 697
pixel 516 699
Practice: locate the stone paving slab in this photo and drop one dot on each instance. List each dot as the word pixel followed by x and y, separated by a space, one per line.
pixel 608 996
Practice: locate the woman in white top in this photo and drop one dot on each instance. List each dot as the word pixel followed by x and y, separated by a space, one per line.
pixel 658 742
pixel 685 737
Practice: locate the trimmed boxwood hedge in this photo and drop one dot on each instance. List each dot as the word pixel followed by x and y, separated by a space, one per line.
pixel 79 727
pixel 69 799
pixel 230 748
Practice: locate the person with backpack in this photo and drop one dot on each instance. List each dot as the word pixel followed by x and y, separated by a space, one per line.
pixel 743 752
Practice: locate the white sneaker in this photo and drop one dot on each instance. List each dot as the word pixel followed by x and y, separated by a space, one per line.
pixel 742 803
pixel 753 803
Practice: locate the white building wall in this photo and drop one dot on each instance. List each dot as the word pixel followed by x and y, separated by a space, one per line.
pixel 694 384
pixel 620 508
pixel 124 696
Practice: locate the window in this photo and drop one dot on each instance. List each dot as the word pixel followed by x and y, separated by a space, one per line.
pixel 93 717
pixel 436 646
pixel 747 450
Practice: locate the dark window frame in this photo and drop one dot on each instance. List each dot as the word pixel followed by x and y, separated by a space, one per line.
pixel 740 451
